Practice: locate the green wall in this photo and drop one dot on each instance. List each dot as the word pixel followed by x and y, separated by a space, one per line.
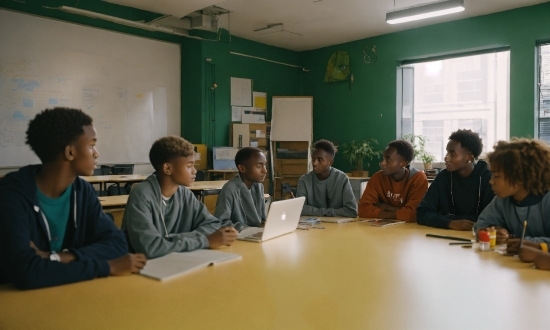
pixel 368 109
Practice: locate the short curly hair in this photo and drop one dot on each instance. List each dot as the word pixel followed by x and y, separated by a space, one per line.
pixel 404 148
pixel 468 140
pixel 53 129
pixel 327 146
pixel 245 154
pixel 167 148
pixel 523 162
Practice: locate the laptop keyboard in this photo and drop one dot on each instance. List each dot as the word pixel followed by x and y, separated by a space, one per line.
pixel 255 235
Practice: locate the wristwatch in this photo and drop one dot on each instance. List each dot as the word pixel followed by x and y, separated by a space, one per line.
pixel 55 257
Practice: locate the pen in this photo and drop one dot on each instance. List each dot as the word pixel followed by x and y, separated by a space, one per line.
pixel 523 233
pixel 451 237
pixel 461 243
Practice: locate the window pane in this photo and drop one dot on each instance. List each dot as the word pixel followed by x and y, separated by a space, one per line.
pixel 544 93
pixel 468 92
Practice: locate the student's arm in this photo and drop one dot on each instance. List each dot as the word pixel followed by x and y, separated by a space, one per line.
pixel 224 209
pixel 20 263
pixel 146 239
pixel 103 240
pixel 349 204
pixel 427 213
pixel 491 216
pixel 368 203
pixel 418 189
pixel 307 209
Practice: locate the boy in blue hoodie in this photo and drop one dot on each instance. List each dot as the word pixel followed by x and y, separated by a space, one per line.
pixel 521 182
pixel 461 191
pixel 52 228
pixel 162 215
pixel 242 198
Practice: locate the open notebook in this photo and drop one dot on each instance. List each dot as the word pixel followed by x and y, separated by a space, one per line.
pixel 179 263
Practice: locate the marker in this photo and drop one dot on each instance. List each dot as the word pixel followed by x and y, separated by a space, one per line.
pixel 461 243
pixel 451 237
pixel 523 233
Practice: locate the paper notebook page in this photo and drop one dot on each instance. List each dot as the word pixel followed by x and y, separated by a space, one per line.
pixel 176 264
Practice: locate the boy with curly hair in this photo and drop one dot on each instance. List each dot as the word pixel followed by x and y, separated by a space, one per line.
pixel 327 190
pixel 460 191
pixel 521 181
pixel 395 191
pixel 52 228
pixel 162 216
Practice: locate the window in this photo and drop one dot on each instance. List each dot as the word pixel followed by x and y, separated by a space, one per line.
pixel 470 92
pixel 544 93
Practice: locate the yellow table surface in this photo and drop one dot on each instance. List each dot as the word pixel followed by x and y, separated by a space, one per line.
pixel 202 185
pixel 347 276
pixel 110 201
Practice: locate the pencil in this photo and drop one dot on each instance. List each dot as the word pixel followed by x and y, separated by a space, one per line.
pixel 523 233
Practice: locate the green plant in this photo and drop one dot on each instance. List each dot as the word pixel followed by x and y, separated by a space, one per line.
pixel 356 152
pixel 420 152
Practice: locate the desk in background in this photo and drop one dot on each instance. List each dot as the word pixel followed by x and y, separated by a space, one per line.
pixel 225 174
pixel 347 276
pixel 114 205
pixel 102 180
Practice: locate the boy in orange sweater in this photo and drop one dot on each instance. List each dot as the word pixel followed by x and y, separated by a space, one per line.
pixel 395 191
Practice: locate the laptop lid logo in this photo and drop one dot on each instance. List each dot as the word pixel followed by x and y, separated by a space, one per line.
pixel 283 216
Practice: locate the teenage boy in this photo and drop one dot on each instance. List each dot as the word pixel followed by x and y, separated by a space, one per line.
pixel 327 190
pixel 52 228
pixel 242 198
pixel 521 181
pixel 162 216
pixel 395 191
pixel 460 191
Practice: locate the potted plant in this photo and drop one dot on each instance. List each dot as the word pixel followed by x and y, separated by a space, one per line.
pixel 420 152
pixel 356 152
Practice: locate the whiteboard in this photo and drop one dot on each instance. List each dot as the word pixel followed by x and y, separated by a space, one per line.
pixel 129 85
pixel 292 118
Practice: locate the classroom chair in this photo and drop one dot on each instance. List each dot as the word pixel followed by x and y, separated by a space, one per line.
pixel 287 191
pixel 121 169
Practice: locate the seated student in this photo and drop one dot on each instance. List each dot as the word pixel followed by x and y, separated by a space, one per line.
pixel 521 181
pixel 52 228
pixel 395 191
pixel 242 198
pixel 461 191
pixel 161 216
pixel 327 190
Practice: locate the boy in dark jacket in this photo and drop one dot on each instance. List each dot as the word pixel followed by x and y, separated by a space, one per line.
pixel 461 191
pixel 52 228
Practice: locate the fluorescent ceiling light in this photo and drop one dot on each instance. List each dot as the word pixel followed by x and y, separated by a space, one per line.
pixel 271 28
pixel 425 11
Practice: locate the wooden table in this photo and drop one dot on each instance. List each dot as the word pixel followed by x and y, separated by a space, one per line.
pixel 102 180
pixel 347 276
pixel 226 174
pixel 113 201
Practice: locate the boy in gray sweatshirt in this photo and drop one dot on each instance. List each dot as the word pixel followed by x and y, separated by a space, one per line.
pixel 242 198
pixel 327 190
pixel 162 216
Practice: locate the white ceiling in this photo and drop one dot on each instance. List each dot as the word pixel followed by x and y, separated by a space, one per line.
pixel 311 24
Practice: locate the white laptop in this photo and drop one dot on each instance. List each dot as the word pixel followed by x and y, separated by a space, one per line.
pixel 282 219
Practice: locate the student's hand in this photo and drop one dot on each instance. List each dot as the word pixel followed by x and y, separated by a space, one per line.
pixel 127 264
pixel 542 261
pixel 42 254
pixel 528 254
pixel 461 225
pixel 386 207
pixel 512 245
pixel 222 236
pixel 502 235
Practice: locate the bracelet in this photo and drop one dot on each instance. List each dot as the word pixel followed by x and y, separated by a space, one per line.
pixel 544 247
